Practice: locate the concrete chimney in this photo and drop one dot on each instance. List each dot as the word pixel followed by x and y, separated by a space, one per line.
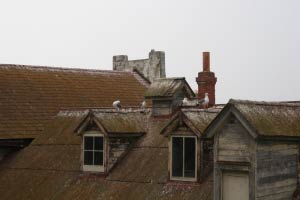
pixel 206 81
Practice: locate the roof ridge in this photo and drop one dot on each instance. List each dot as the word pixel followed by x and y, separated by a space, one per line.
pixel 266 103
pixel 210 110
pixel 170 78
pixel 102 110
pixel 52 68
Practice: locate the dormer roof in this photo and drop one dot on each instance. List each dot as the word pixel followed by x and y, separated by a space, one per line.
pixel 261 119
pixel 168 87
pixel 121 122
pixel 195 119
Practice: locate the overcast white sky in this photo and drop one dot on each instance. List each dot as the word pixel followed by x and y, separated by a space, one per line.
pixel 254 44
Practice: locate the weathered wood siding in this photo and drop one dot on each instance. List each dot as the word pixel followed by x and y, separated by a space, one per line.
pixel 234 152
pixel 163 107
pixel 276 171
pixel 177 99
pixel 207 158
pixel 234 143
pixel 117 147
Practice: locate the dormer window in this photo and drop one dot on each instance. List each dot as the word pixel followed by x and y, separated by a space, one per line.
pixel 167 94
pixel 106 137
pixel 183 158
pixel 93 151
pixel 185 143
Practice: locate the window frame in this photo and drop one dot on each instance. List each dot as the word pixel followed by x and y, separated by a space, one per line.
pixel 176 178
pixel 94 168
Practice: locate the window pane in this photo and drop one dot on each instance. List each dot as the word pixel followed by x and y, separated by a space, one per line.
pixel 98 143
pixel 177 157
pixel 98 158
pixel 189 157
pixel 88 157
pixel 88 143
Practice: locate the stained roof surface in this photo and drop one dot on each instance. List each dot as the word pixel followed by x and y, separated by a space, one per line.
pixel 30 96
pixel 201 118
pixel 122 122
pixel 271 118
pixel 167 87
pixel 49 168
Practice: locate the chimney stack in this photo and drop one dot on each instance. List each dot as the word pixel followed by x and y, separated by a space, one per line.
pixel 206 81
pixel 206 62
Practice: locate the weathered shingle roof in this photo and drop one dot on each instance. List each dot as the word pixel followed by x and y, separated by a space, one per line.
pixel 194 118
pixel 200 117
pixel 30 96
pixel 271 118
pixel 49 168
pixel 122 122
pixel 167 87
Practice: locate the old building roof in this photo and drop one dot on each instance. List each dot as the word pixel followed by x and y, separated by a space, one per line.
pixel 167 87
pixel 49 168
pixel 122 122
pixel 266 118
pixel 194 118
pixel 30 96
pixel 201 117
pixel 271 118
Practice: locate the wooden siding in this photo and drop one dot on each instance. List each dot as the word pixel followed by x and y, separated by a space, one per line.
pixel 234 143
pixel 207 157
pixel 166 105
pixel 117 148
pixel 162 107
pixel 276 170
pixel 234 152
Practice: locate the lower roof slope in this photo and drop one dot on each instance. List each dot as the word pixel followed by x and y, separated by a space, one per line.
pixel 31 96
pixel 49 168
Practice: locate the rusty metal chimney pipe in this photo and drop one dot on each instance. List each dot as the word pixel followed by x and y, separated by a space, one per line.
pixel 206 62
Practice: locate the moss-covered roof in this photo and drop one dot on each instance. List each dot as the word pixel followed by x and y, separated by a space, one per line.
pixel 49 168
pixel 271 118
pixel 122 122
pixel 200 117
pixel 194 118
pixel 167 87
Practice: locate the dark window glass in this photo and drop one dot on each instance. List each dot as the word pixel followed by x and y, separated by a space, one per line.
pixel 98 143
pixel 88 143
pixel 177 156
pixel 98 158
pixel 189 157
pixel 88 157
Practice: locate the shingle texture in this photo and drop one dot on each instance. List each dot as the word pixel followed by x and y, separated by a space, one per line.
pixel 167 87
pixel 201 118
pixel 271 118
pixel 122 122
pixel 31 96
pixel 50 168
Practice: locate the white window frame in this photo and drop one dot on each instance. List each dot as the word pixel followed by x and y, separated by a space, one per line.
pixel 93 168
pixel 176 178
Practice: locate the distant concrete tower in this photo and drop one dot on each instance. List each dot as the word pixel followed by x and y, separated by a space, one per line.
pixel 152 68
pixel 206 81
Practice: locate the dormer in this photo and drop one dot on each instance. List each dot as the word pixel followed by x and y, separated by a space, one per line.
pixel 256 149
pixel 106 137
pixel 167 94
pixel 190 157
